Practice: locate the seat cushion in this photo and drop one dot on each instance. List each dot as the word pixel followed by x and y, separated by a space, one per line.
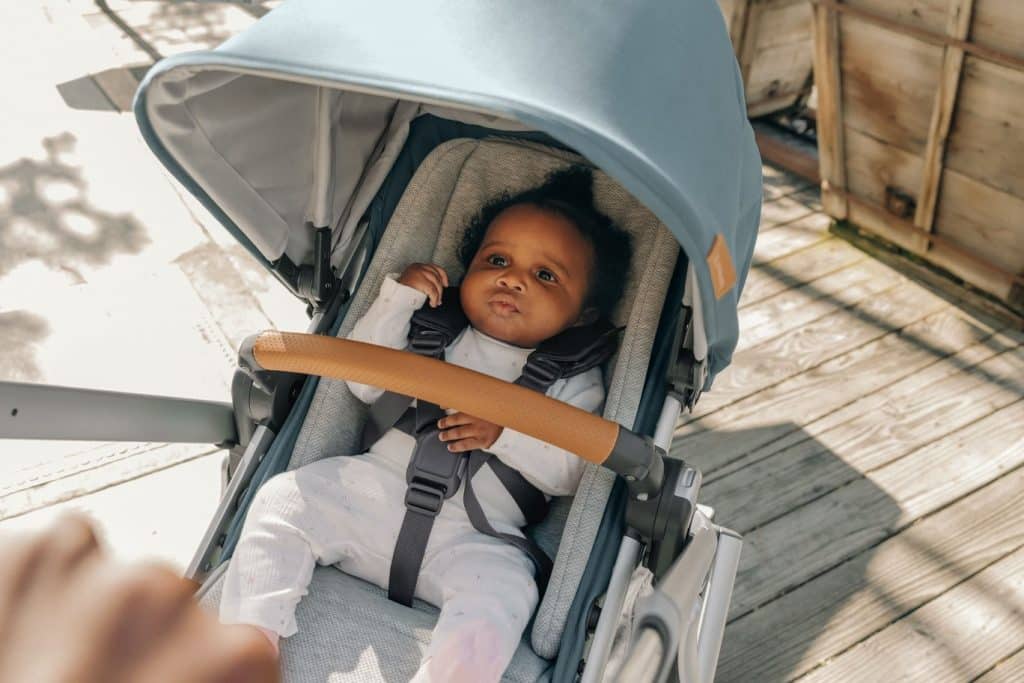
pixel 352 633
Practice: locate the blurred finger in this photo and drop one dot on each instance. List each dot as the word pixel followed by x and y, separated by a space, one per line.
pixel 471 443
pixel 454 420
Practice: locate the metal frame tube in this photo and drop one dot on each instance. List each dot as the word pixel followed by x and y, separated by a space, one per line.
pixel 682 585
pixel 42 411
pixel 667 420
pixel 254 452
pixel 601 645
pixel 717 596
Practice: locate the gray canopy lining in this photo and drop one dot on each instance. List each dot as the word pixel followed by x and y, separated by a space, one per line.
pixel 276 155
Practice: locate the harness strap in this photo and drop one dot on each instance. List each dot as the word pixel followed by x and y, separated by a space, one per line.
pixel 540 559
pixel 434 474
pixel 385 413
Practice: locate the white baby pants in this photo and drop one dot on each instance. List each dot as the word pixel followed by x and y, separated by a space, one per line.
pixel 347 510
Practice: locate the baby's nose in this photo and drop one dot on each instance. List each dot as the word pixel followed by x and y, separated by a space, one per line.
pixel 512 281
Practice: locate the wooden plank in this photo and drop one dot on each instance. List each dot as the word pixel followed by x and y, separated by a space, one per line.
pixel 1010 670
pixel 958 25
pixel 790 157
pixel 954 638
pixel 979 274
pixel 999 24
pixel 810 540
pixel 735 13
pixel 874 169
pixel 785 22
pixel 845 605
pixel 791 237
pixel 793 308
pixel 828 79
pixel 795 269
pixel 746 49
pixel 987 139
pixel 888 84
pixel 711 442
pixel 781 210
pixel 929 15
pixel 772 362
pixel 890 426
pixel 933 278
pixel 892 397
pixel 781 74
pixel 778 182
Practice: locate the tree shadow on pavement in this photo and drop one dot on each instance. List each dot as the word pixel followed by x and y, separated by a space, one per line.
pixel 19 332
pixel 46 217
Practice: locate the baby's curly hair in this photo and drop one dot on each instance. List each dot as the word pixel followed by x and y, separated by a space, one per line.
pixel 569 193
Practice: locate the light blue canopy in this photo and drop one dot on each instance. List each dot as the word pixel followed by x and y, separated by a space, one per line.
pixel 295 119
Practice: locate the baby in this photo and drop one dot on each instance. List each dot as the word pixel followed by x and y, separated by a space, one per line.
pixel 536 264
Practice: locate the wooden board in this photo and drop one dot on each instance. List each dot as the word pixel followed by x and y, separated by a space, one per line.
pixel 772 40
pixel 793 308
pixel 987 139
pixel 812 539
pixel 713 441
pixel 926 14
pixel 875 436
pixel 782 210
pixel 779 359
pixel 890 399
pixel 795 269
pixel 888 84
pixel 999 24
pixel 834 611
pixel 928 131
pixel 1010 670
pixel 956 637
pixel 793 236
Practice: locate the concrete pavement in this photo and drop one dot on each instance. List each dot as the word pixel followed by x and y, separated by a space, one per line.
pixel 110 275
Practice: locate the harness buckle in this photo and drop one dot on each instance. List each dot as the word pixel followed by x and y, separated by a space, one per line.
pixel 540 372
pixel 424 497
pixel 428 343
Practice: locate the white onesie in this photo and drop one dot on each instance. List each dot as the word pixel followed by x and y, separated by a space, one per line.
pixel 347 510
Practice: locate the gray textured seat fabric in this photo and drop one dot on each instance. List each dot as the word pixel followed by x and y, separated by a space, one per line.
pixel 451 185
pixel 362 636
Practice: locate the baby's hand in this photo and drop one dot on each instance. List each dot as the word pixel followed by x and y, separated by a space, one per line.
pixel 427 278
pixel 467 433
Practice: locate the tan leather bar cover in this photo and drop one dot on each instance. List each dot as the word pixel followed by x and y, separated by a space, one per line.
pixel 510 405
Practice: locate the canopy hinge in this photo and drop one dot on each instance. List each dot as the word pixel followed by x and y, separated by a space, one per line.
pixel 687 374
pixel 315 283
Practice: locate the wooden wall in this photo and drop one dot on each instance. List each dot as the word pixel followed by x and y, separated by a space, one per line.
pixel 921 130
pixel 773 44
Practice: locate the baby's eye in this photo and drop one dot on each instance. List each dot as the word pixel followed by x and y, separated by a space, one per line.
pixel 546 275
pixel 497 260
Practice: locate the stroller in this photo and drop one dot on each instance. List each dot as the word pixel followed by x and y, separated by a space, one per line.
pixel 339 142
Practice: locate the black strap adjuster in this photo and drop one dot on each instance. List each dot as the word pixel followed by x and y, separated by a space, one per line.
pixel 424 497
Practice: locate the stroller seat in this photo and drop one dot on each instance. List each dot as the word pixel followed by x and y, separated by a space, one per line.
pixel 348 629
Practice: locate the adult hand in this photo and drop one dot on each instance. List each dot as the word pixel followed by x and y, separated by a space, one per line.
pixel 464 432
pixel 70 614
pixel 428 278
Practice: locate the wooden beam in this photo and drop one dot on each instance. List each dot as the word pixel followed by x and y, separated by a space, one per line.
pixel 788 157
pixel 958 25
pixel 983 52
pixel 831 152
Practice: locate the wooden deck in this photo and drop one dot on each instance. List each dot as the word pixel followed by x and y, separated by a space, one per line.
pixel 867 441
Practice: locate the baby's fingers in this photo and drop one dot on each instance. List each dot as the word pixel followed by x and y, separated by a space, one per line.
pixel 455 420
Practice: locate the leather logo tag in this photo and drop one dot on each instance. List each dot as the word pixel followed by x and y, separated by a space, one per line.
pixel 723 272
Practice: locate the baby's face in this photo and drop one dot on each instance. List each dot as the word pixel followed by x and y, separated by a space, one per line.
pixel 530 277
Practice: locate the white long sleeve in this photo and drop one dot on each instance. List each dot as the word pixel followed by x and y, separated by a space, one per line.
pixel 553 470
pixel 386 323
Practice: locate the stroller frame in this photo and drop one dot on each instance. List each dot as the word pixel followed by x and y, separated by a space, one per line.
pixel 702 183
